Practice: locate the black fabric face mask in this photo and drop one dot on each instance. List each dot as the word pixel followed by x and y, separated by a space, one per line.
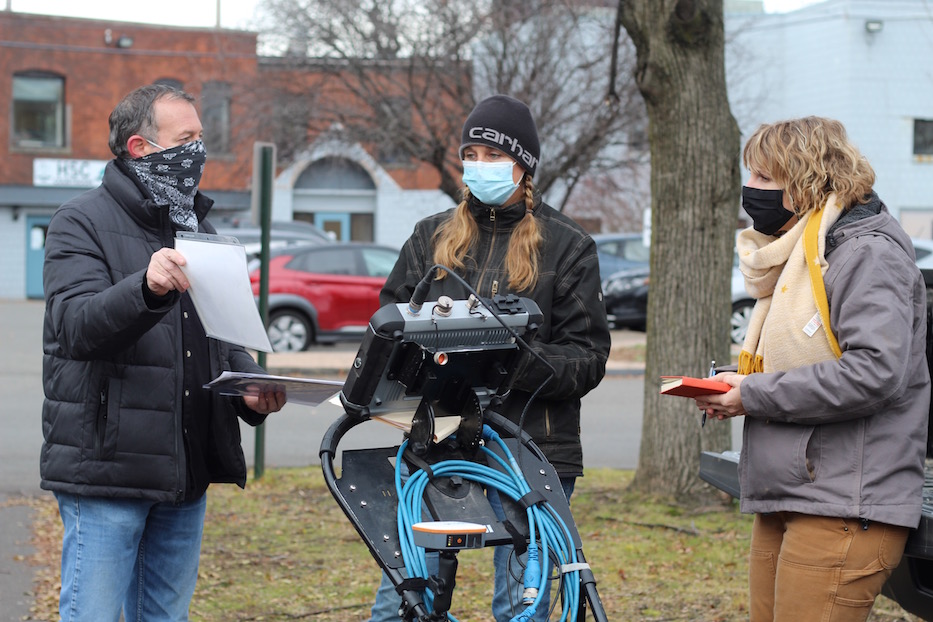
pixel 766 209
pixel 172 177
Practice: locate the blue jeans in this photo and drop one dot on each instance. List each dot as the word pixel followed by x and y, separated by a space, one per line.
pixel 505 590
pixel 131 554
pixel 508 586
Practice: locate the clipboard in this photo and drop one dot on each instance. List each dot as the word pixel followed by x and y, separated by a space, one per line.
pixel 307 391
pixel 220 289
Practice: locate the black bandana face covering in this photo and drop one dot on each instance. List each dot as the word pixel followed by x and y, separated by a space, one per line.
pixel 172 177
pixel 766 209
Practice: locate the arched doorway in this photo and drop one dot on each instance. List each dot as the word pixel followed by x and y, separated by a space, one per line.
pixel 339 196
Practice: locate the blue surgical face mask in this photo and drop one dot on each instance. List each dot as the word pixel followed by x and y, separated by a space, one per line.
pixel 490 182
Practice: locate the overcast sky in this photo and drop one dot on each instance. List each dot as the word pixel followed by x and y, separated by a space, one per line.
pixel 233 13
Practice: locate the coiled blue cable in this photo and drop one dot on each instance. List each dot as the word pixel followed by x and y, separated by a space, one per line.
pixel 545 526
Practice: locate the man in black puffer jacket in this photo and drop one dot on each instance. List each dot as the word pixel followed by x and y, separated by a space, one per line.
pixel 132 440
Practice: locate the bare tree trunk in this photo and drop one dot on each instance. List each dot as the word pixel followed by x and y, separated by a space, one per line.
pixel 695 186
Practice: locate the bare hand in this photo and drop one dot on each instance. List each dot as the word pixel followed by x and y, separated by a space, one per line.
pixel 724 405
pixel 267 401
pixel 164 272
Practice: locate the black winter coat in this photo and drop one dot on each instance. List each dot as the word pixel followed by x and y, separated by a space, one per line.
pixel 574 337
pixel 112 366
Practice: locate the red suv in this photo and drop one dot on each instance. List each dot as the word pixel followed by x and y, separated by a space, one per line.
pixel 323 292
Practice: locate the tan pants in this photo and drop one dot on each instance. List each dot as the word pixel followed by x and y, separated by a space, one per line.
pixel 806 568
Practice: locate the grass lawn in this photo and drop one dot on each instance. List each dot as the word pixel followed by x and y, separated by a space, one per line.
pixel 283 550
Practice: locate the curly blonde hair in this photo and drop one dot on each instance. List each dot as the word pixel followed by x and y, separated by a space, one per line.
pixel 456 236
pixel 810 158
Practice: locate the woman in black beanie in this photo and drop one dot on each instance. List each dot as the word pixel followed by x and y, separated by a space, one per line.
pixel 502 239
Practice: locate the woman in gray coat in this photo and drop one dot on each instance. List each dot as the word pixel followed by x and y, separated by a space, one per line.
pixel 833 380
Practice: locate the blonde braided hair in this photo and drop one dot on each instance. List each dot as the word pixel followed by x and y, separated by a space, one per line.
pixel 455 237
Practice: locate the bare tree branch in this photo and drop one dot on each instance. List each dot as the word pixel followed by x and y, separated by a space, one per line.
pixel 400 76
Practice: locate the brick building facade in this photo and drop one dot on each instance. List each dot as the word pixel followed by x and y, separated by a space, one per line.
pixel 95 64
pixel 61 78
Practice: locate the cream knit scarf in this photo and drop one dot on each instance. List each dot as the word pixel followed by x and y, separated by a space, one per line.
pixel 789 325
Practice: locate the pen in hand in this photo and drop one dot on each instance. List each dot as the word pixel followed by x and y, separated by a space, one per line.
pixel 712 372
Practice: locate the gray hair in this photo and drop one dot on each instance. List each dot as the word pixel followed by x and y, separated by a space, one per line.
pixel 134 115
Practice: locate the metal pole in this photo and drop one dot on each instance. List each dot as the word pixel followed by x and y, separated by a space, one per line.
pixel 264 160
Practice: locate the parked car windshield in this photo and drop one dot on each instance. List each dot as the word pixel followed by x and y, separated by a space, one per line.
pixel 620 251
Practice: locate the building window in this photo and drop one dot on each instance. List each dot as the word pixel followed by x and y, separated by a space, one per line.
pixel 923 137
pixel 333 172
pixel 38 111
pixel 215 116
pixel 361 228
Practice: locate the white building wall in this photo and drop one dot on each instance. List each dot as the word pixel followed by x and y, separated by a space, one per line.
pixel 398 212
pixel 12 254
pixel 821 60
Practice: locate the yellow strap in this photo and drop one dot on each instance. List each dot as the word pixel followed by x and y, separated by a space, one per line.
pixel 811 251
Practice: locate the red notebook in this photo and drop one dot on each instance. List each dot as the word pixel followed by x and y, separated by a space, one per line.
pixel 686 386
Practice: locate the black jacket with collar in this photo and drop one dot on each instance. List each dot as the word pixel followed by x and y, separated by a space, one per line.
pixel 574 337
pixel 112 366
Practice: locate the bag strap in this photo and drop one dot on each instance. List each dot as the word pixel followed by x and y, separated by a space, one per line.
pixel 811 251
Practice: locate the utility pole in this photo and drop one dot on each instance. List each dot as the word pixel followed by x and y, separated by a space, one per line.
pixel 263 172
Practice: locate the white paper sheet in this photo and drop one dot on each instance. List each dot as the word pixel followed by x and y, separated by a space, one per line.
pixel 220 290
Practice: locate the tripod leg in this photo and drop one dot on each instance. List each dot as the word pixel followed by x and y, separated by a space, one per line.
pixel 592 596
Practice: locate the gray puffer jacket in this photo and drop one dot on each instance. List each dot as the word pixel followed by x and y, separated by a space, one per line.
pixel 112 366
pixel 847 437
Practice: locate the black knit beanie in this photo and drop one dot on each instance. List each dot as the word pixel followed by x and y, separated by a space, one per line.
pixel 505 123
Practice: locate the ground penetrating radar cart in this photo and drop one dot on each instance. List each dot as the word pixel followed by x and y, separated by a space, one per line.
pixel 439 371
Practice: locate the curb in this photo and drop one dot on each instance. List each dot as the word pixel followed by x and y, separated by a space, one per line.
pixel 328 372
